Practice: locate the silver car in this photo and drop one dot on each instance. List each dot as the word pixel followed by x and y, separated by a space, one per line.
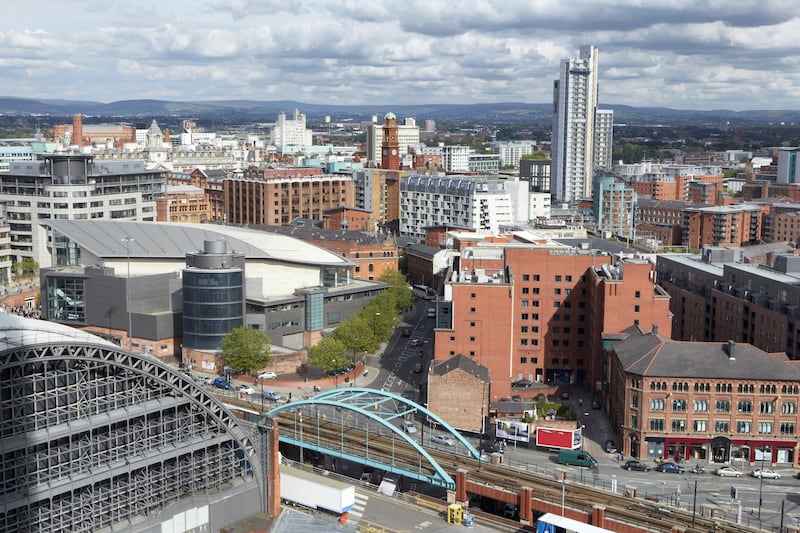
pixel 728 471
pixel 443 439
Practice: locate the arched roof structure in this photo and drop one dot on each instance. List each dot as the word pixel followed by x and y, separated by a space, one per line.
pixel 93 437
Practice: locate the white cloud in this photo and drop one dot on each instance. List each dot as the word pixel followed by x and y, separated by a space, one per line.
pixel 683 54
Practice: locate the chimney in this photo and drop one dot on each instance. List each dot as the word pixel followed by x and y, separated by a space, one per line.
pixel 655 329
pixel 77 130
pixel 731 350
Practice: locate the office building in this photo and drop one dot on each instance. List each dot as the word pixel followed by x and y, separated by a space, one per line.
pixel 718 297
pixel 723 403
pixel 290 132
pixel 73 186
pixel 530 308
pixel 730 225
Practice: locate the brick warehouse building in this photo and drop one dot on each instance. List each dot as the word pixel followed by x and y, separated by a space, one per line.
pixel 270 198
pixel 541 311
pixel 722 403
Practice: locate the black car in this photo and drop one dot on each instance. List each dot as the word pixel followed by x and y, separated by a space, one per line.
pixel 522 384
pixel 491 447
pixel 671 468
pixel 596 405
pixel 636 465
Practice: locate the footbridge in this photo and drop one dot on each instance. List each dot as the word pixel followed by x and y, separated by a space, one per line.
pixel 376 428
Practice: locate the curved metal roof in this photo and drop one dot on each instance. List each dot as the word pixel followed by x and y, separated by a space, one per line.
pixel 162 240
pixel 16 331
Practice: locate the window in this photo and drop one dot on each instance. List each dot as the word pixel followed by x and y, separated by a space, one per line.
pixel 723 406
pixel 721 426
pixel 471 309
pixel 557 292
pixel 788 408
pixel 523 360
pixel 568 279
pixel 701 406
pixel 700 426
pixel 635 401
pixel 554 360
pixel 656 404
pixel 635 308
pixel 523 342
pixel 743 426
pixel 472 339
pixel 744 406
pixel 472 324
pixel 678 425
pixel 525 303
pixel 524 316
pixel 526 277
pixel 765 428
pixel 766 408
pixel 679 405
pixel 536 277
pixel 558 278
pixel 523 329
pixel 787 428
pixel 638 294
pixel 472 295
pixel 656 424
pixel 525 290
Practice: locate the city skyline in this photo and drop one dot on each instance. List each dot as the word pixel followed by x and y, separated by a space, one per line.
pixel 698 55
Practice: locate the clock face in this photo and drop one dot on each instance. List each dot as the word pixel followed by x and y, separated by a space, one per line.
pixel 394 152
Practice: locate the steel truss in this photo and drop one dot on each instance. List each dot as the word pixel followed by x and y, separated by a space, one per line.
pixel 93 438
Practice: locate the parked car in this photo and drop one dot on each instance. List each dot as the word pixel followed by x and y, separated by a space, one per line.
pixel 406 332
pixel 271 395
pixel 205 379
pixel 766 473
pixel 245 389
pixel 672 468
pixel 221 383
pixel 415 342
pixel 417 368
pixel 636 465
pixel 565 396
pixel 409 427
pixel 491 447
pixel 596 405
pixel 728 471
pixel 522 384
pixel 610 446
pixel 516 398
pixel 269 374
pixel 443 439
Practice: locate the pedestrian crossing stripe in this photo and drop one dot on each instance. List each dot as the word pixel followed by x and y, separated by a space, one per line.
pixel 359 506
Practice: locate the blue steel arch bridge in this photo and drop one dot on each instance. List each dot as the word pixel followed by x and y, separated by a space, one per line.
pixel 368 426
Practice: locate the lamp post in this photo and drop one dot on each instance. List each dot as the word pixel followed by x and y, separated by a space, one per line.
pixel 128 241
pixel 761 481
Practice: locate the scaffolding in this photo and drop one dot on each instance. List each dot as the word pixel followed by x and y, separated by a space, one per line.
pixel 94 438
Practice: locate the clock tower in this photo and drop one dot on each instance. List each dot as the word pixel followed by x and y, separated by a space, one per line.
pixel 390 147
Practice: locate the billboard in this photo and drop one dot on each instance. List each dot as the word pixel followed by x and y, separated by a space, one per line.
pixel 566 439
pixel 513 430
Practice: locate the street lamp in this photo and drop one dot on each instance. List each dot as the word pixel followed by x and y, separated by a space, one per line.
pixel 761 480
pixel 128 241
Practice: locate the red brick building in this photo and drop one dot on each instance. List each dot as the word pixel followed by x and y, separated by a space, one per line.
pixel 733 225
pixel 343 217
pixel 458 391
pixel 282 195
pixel 183 203
pixel 539 312
pixel 722 403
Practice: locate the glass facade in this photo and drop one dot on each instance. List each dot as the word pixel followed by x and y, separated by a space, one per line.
pixel 213 305
pixel 65 302
pixel 314 311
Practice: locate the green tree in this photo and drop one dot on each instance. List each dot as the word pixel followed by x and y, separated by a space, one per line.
pixel 381 315
pixel 329 354
pixel 246 350
pixel 26 267
pixel 399 290
pixel 356 333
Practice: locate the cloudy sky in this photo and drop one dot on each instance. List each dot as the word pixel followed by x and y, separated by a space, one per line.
pixel 688 54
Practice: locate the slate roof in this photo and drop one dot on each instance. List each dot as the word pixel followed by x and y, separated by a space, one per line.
pixel 655 356
pixel 464 363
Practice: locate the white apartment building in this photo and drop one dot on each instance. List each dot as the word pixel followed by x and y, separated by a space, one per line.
pixel 511 152
pixel 73 186
pixel 603 138
pixel 476 203
pixel 455 158
pixel 575 94
pixel 292 132
pixel 407 135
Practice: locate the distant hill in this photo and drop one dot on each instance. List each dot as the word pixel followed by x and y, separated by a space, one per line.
pixel 253 110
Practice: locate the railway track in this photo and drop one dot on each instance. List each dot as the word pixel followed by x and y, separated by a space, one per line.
pixel 388 449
